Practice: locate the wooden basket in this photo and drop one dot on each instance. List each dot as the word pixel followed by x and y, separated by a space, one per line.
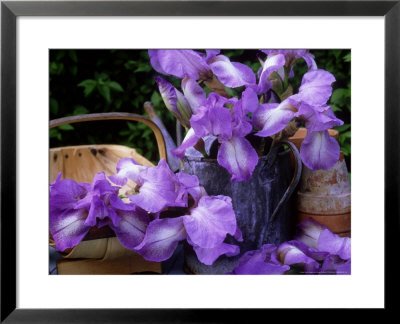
pixel 100 251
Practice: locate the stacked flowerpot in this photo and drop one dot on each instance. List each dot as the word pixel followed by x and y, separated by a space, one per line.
pixel 325 195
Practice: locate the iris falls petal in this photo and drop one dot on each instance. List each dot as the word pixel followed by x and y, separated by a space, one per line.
pixel 239 157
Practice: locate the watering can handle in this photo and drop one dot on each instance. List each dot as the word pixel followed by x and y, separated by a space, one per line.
pixel 293 183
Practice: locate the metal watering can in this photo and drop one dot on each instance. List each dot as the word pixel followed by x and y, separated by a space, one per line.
pixel 262 205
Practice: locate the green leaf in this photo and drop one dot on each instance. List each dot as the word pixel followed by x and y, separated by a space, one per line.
pixel 335 108
pixel 104 90
pixel 88 85
pixel 66 127
pixel 347 57
pixel 53 106
pixel 115 86
pixel 74 70
pixel 156 98
pixel 80 110
pixel 342 128
pixel 54 133
pixel 144 68
pixel 72 55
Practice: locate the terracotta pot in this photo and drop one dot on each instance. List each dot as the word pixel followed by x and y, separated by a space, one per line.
pixel 325 195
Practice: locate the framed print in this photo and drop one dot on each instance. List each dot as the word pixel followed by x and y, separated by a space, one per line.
pixel 36 38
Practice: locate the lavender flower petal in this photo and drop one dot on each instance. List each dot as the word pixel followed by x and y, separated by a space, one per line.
pixel 65 194
pixel 309 231
pixel 189 184
pixel 194 94
pixel 161 239
pixel 190 140
pixel 273 63
pixel 260 262
pixel 179 63
pixel 290 253
pixel 249 101
pixel 232 74
pixel 333 264
pixel 319 150
pixel 127 168
pixel 239 157
pixel 272 118
pixel 132 227
pixel 157 190
pixel 210 222
pixel 318 118
pixel 209 255
pixel 316 87
pixel 212 120
pixel 334 244
pixel 68 228
pixel 175 101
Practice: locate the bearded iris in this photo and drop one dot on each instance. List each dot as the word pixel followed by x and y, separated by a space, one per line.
pixel 139 220
pixel 230 120
pixel 315 250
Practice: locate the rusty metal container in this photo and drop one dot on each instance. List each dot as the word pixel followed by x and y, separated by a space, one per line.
pixel 262 205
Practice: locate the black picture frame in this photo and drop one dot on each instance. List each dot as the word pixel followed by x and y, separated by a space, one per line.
pixel 10 10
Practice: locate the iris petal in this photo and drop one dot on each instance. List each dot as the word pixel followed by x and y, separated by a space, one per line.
pixel 272 118
pixel 319 151
pixel 194 94
pixel 127 168
pixel 68 228
pixel 260 262
pixel 238 156
pixel 157 190
pixel 161 239
pixel 232 74
pixel 179 63
pixel 132 227
pixel 316 87
pixel 209 255
pixel 210 222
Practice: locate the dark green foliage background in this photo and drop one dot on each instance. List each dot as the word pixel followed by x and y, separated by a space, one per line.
pixel 94 81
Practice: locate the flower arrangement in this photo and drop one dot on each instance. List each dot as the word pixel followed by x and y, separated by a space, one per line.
pixel 315 250
pixel 152 209
pixel 267 105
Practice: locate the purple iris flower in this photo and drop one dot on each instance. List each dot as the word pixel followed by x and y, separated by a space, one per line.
pixel 230 126
pixel 291 56
pixel 194 94
pixel 315 250
pixel 318 150
pixel 189 186
pixel 158 188
pixel 180 63
pixel 138 223
pixel 127 168
pixel 175 101
pixel 161 239
pixel 319 237
pixel 205 228
pixel 75 208
pixel 67 223
pixel 264 261
pixel 197 66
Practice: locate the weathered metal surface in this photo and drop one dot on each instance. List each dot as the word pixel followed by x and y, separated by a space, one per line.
pixel 254 203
